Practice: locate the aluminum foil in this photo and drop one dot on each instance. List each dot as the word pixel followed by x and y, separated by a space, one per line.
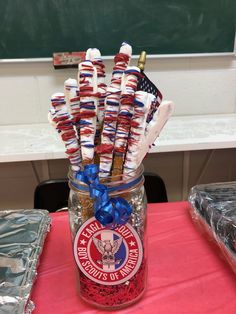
pixel 213 208
pixel 22 235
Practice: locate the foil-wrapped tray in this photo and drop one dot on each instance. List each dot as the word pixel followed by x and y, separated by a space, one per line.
pixel 22 235
pixel 213 208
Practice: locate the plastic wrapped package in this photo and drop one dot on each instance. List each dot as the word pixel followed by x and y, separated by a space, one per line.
pixel 213 208
pixel 22 235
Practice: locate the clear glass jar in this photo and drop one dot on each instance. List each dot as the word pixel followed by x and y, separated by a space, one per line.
pixel 112 263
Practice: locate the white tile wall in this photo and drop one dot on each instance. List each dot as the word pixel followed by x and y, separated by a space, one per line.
pixel 199 92
pixel 200 85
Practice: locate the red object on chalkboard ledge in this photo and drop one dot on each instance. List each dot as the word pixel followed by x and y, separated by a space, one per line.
pixel 63 60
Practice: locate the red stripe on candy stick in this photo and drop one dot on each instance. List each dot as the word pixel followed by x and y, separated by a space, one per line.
pixel 87 114
pixel 87 93
pixel 112 106
pixel 71 151
pixel 104 149
pixel 86 132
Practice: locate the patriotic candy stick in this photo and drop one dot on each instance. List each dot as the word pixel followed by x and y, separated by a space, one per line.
pixel 112 103
pixel 88 109
pixel 52 117
pixel 72 101
pixel 154 128
pixel 94 55
pixel 142 104
pixel 128 89
pixel 64 125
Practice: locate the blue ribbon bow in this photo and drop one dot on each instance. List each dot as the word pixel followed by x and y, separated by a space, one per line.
pixel 110 212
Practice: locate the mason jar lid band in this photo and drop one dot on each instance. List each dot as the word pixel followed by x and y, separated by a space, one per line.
pixel 121 187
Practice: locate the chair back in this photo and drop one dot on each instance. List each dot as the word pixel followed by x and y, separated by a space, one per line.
pixel 53 194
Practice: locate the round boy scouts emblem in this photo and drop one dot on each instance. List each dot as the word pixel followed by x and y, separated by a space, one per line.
pixel 108 257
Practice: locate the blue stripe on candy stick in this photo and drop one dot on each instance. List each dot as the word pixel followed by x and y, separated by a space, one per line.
pixel 84 122
pixel 88 145
pixel 86 75
pixel 117 72
pixel 112 103
pixel 139 103
pixel 125 113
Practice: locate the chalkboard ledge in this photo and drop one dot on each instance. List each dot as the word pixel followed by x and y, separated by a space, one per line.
pixel 151 56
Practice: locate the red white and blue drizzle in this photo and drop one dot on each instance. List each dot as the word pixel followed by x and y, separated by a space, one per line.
pixel 94 56
pixel 128 88
pixel 111 110
pixel 128 122
pixel 80 113
pixel 142 103
pixel 62 121
pixel 87 78
pixel 73 102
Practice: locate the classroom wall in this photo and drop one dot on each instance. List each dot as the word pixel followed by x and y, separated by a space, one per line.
pixel 197 86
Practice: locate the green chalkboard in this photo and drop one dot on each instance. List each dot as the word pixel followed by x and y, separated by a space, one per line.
pixel 37 28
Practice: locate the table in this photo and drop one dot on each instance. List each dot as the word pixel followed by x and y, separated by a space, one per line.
pixel 186 273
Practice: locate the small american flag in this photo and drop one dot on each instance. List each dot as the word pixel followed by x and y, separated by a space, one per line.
pixel 144 84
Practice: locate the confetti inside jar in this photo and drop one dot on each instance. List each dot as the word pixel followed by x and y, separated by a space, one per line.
pixel 111 258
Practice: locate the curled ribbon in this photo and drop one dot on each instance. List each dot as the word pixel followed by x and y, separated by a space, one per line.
pixel 110 212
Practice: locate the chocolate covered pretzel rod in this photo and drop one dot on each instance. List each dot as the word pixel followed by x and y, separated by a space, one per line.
pixel 88 108
pixel 71 96
pixel 111 110
pixel 128 89
pixel 142 104
pixel 154 128
pixel 64 125
pixel 94 55
pixel 72 102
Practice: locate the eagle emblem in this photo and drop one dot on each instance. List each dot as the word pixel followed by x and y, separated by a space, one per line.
pixel 108 250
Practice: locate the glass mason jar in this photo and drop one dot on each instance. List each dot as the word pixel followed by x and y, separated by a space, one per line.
pixel 112 262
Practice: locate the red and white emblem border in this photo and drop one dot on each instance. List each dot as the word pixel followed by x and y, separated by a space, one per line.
pixel 127 227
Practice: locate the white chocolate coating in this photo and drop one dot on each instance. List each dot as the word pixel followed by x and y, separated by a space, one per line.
pixel 128 88
pixel 88 106
pixel 72 100
pixel 142 104
pixel 112 103
pixel 126 49
pixel 60 116
pixel 94 55
pixel 51 117
pixel 154 128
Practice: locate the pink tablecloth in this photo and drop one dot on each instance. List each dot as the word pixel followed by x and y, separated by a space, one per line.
pixel 186 273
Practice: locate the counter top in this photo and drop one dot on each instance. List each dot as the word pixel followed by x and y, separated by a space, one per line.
pixel 185 133
pixel 182 133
